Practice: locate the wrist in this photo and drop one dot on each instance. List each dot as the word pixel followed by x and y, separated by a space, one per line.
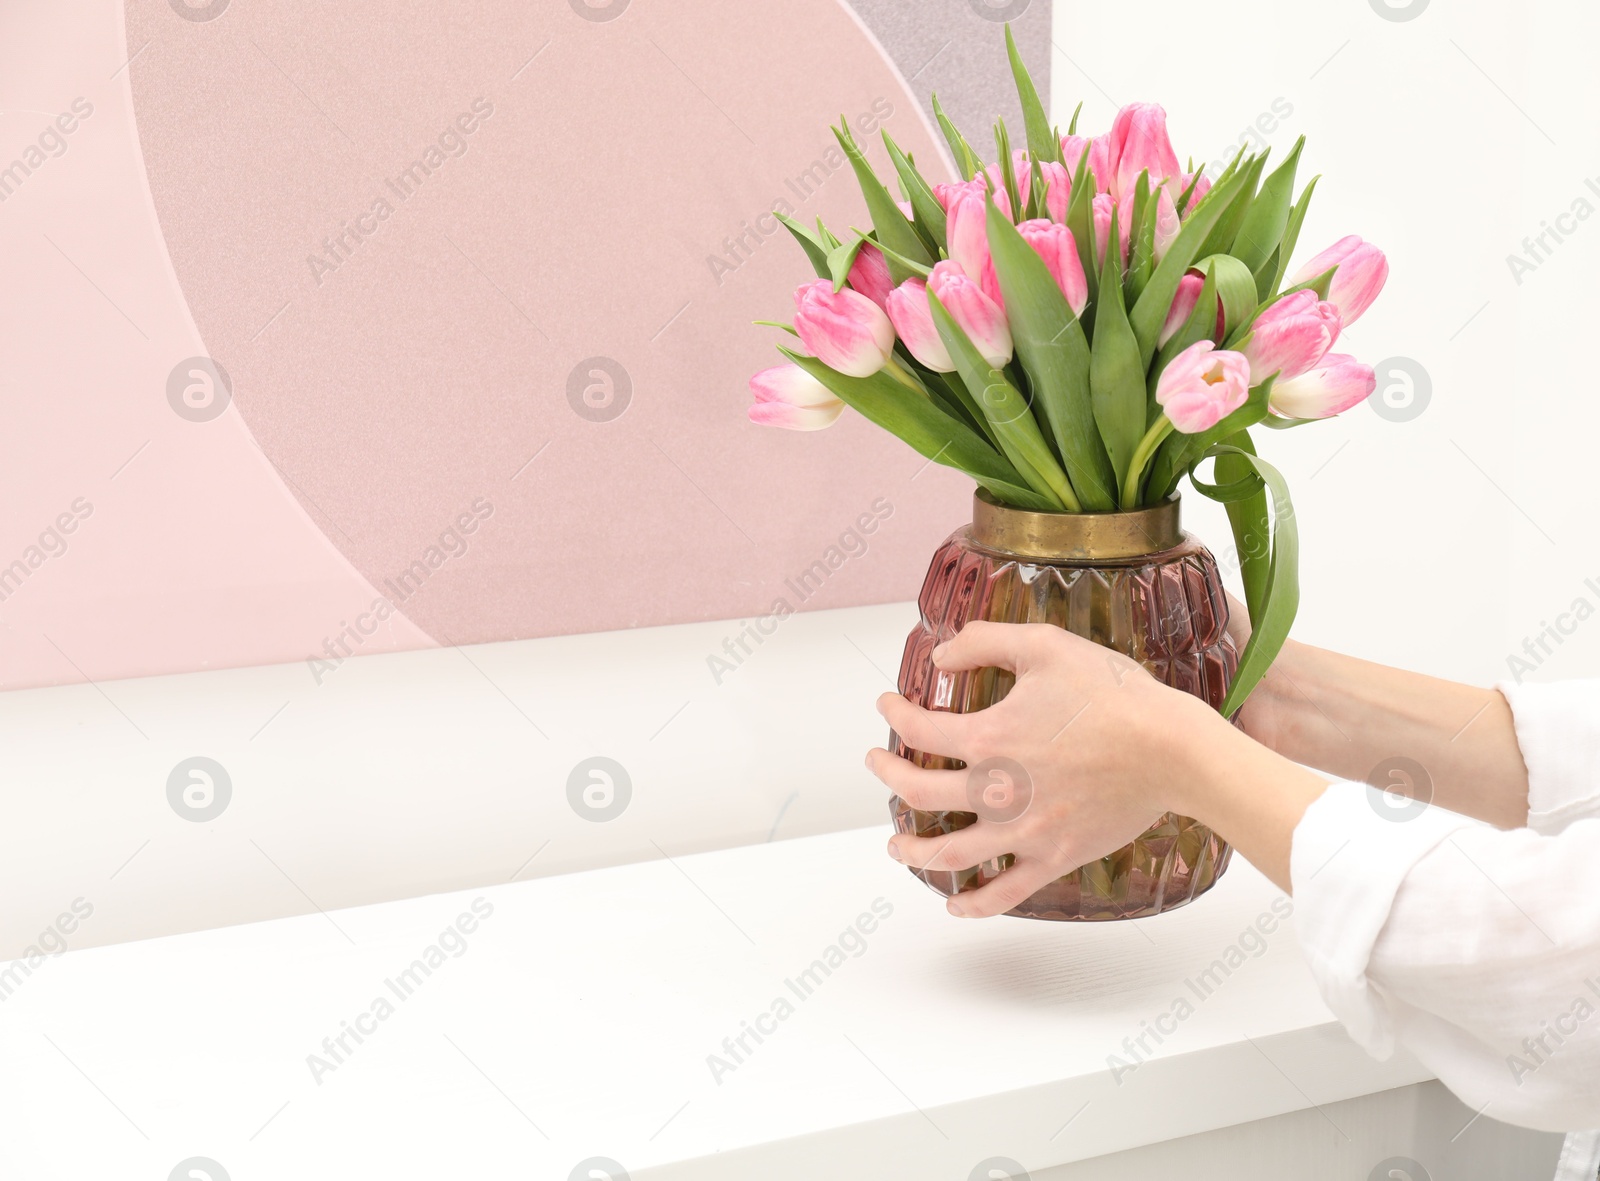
pixel 1268 713
pixel 1193 751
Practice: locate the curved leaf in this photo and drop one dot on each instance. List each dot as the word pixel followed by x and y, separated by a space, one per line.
pixel 1007 412
pixel 1055 355
pixel 1269 553
pixel 930 431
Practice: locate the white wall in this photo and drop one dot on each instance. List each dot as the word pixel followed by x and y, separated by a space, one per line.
pixel 1445 138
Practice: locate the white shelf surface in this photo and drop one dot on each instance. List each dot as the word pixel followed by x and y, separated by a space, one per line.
pixel 578 1021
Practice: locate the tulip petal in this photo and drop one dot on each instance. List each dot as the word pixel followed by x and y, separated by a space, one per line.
pixel 795 418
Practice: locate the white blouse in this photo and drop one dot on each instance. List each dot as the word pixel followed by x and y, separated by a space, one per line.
pixel 1475 948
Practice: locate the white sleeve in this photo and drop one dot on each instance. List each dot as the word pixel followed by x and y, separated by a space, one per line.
pixel 1477 949
pixel 1558 730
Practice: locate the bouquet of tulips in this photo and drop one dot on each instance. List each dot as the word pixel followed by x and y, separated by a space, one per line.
pixel 1081 324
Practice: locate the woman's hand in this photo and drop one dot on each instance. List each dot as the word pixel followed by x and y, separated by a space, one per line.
pixel 1083 755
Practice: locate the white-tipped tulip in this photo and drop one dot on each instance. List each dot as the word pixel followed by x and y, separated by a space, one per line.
pixel 912 318
pixel 843 329
pixel 788 396
pixel 1336 384
pixel 980 317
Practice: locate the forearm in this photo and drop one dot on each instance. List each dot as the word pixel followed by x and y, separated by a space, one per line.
pixel 1249 794
pixel 1348 716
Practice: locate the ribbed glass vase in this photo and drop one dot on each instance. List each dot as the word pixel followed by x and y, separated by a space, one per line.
pixel 1133 582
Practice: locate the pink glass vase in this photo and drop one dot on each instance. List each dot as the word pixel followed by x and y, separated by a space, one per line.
pixel 1133 582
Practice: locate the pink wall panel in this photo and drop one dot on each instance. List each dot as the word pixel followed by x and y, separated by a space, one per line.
pixel 421 241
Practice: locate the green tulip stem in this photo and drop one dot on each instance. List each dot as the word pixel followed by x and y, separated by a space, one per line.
pixel 898 372
pixel 1142 454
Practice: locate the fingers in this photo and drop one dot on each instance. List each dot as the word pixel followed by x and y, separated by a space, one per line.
pixel 929 791
pixel 933 732
pixel 981 644
pixel 1025 877
pixel 961 849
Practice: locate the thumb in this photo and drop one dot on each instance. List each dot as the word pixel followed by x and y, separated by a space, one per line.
pixel 980 644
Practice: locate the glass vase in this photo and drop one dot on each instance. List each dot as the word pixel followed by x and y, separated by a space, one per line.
pixel 1133 582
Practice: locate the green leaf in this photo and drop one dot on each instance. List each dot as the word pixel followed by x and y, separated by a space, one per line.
pixel 1055 355
pixel 1042 144
pixel 1318 284
pixel 814 247
pixel 930 431
pixel 1236 286
pixel 948 392
pixel 842 257
pixel 789 328
pixel 1263 225
pixel 1008 173
pixel 1116 372
pixel 893 230
pixel 1038 191
pixel 1007 412
pixel 899 262
pixel 1150 313
pixel 1291 237
pixel 968 162
pixel 1220 240
pixel 1072 127
pixel 1141 238
pixel 929 216
pixel 1080 220
pixel 1187 195
pixel 1269 556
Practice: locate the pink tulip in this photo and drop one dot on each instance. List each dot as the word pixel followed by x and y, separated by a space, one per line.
pixel 1334 386
pixel 913 321
pixel 1057 184
pixel 1021 173
pixel 1057 190
pixel 1054 243
pixel 788 396
pixel 1102 163
pixel 1167 224
pixel 967 232
pixel 1101 206
pixel 1183 304
pixel 1291 336
pixel 1180 186
pixel 944 193
pixel 1139 143
pixel 980 317
pixel 843 329
pixel 1361 275
pixel 1072 151
pixel 869 274
pixel 1203 385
